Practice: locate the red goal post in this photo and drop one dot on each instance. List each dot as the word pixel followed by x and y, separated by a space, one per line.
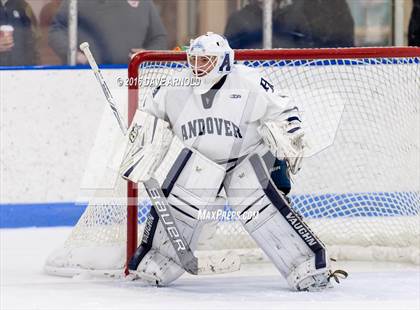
pixel 240 55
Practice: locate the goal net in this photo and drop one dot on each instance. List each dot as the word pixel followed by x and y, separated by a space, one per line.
pixel 359 191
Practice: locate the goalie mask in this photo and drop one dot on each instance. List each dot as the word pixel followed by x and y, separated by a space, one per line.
pixel 210 57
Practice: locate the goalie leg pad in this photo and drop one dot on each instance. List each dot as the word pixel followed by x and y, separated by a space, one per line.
pixel 157 269
pixel 191 184
pixel 276 227
pixel 306 277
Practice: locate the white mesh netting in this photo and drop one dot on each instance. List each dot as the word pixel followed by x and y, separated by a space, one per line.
pixel 360 192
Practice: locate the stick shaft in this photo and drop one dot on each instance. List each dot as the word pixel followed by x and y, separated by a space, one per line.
pixel 105 89
pixel 185 255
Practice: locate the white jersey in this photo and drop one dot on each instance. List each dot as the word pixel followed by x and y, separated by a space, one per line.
pixel 222 123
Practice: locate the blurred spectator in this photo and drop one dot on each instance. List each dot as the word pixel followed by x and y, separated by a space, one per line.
pixel 48 11
pixel 290 26
pixel 331 22
pixel 373 22
pixel 114 29
pixel 414 28
pixel 17 36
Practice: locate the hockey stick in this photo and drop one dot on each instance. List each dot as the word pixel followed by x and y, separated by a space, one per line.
pixel 187 259
pixel 85 49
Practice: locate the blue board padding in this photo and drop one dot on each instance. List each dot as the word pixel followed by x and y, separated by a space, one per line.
pixel 330 205
pixel 40 214
pixel 333 205
pixel 369 204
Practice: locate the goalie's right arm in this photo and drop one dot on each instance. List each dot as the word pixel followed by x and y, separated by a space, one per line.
pixel 148 138
pixel 146 144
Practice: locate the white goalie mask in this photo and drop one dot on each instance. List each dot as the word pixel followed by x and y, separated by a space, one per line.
pixel 210 57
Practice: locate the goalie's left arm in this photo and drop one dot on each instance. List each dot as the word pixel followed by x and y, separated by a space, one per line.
pixel 281 129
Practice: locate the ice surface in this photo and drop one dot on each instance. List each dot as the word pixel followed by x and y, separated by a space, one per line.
pixel 25 286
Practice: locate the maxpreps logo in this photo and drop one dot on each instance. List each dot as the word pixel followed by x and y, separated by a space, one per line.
pixel 220 215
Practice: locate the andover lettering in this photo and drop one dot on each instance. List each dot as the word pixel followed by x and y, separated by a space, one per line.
pixel 210 126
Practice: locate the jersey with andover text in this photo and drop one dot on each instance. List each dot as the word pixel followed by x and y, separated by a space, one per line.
pixel 222 123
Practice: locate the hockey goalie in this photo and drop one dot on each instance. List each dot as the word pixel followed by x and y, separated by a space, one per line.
pixel 232 131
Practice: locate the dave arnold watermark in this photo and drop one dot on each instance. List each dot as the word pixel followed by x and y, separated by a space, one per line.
pixel 158 81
